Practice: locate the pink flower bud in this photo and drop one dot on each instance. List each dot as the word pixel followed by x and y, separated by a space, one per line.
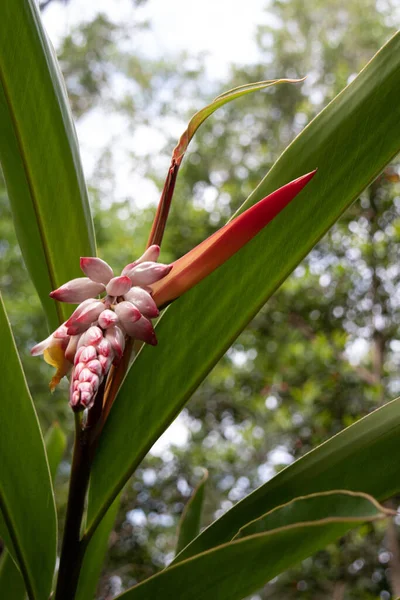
pixel 92 336
pixel 151 254
pixel 147 273
pixel 116 339
pixel 79 310
pixel 85 386
pixel 71 348
pixel 79 351
pixel 143 301
pixel 77 290
pixel 95 367
pixel 87 399
pixel 118 286
pixel 89 314
pixel 96 269
pixel 127 313
pixel 74 399
pixel 104 347
pixel 61 332
pixel 88 353
pixel 85 374
pixel 142 330
pixel 78 368
pixel 108 318
pixel 105 363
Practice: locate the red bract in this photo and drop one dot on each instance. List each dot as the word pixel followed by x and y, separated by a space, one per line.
pixel 218 248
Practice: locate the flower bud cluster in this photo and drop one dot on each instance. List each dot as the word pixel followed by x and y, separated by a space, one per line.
pixel 93 338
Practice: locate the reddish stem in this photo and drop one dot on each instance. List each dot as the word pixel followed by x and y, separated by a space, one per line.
pixel 160 220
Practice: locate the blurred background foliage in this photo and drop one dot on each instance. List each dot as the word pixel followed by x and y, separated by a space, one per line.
pixel 322 353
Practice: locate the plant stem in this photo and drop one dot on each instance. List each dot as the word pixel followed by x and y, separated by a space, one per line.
pixel 160 220
pixel 72 550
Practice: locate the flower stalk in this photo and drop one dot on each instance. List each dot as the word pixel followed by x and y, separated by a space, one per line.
pixel 73 549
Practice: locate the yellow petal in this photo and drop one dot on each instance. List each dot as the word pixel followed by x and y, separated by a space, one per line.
pixel 54 356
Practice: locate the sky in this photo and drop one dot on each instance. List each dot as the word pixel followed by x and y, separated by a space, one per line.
pixel 212 27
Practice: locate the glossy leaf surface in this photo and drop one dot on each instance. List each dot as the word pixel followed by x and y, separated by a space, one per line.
pixel 95 554
pixel 234 570
pixel 39 156
pixel 26 495
pixel 11 581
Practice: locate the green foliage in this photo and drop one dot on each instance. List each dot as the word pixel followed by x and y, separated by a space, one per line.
pixel 294 377
pixel 339 461
pixel 189 526
pixel 283 537
pixel 30 536
pixel 40 158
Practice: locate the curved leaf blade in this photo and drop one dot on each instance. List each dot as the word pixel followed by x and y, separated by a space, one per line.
pixel 335 505
pixel 11 581
pixel 350 142
pixel 95 554
pixel 235 570
pixel 203 114
pixel 40 157
pixel 189 525
pixel 26 493
pixel 351 459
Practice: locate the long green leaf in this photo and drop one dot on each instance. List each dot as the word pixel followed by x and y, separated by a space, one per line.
pixel 39 156
pixel 11 581
pixel 351 460
pixel 203 114
pixel 234 570
pixel 95 555
pixel 189 525
pixel 26 495
pixel 350 142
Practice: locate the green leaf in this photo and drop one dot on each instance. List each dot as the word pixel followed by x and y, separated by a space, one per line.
pixel 39 156
pixel 95 554
pixel 27 504
pixel 11 581
pixel 335 505
pixel 203 114
pixel 284 537
pixel 351 460
pixel 56 443
pixel 350 142
pixel 189 525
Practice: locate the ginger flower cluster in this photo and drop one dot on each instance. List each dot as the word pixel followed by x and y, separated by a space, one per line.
pixel 93 338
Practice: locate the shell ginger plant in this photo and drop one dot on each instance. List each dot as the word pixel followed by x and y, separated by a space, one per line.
pixel 123 391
